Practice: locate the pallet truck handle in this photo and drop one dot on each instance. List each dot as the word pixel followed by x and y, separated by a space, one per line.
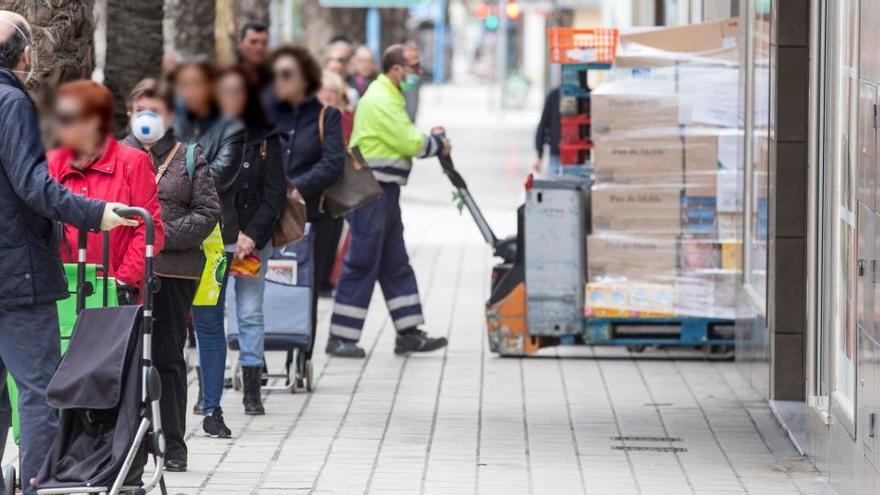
pixel 447 165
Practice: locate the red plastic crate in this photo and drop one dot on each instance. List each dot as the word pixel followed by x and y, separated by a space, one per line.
pixel 575 128
pixel 580 46
pixel 575 153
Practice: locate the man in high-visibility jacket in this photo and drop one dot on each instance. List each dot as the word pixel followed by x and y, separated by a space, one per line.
pixel 389 141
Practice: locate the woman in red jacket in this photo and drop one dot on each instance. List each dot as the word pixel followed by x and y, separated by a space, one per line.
pixel 91 163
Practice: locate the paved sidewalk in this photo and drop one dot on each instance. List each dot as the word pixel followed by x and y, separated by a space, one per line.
pixel 573 420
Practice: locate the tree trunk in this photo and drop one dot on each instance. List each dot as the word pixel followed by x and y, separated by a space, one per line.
pixel 63 45
pixel 224 31
pixel 251 10
pixel 134 48
pixel 193 22
pixel 323 23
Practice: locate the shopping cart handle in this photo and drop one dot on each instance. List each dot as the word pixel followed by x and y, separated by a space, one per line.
pixel 133 211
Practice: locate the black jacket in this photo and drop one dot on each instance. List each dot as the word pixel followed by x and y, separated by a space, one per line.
pixel 549 129
pixel 30 269
pixel 260 190
pixel 311 164
pixel 222 141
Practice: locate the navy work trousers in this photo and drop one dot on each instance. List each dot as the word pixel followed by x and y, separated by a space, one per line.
pixel 377 253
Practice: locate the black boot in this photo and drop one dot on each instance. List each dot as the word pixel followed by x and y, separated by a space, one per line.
pixel 197 407
pixel 251 377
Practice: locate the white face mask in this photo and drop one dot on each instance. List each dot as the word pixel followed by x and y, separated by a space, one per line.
pixel 29 74
pixel 148 127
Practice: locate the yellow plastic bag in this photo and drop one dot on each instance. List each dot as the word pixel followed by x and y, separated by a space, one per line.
pixel 208 292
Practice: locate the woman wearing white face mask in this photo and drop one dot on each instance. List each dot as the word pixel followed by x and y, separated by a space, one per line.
pixel 190 210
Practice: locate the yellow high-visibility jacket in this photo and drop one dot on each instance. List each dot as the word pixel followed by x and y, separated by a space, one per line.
pixel 386 136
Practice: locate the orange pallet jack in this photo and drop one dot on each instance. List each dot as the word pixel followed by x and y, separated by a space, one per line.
pixel 506 321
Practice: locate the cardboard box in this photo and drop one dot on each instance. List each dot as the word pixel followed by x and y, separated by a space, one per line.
pixel 700 165
pixel 692 38
pixel 731 255
pixel 707 296
pixel 631 161
pixel 632 258
pixel 624 115
pixel 652 300
pixel 729 226
pixel 606 300
pixel 636 209
pixel 697 255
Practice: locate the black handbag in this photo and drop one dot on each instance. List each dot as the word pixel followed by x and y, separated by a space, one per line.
pixel 356 186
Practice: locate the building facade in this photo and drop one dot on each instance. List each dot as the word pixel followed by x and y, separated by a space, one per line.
pixel 808 314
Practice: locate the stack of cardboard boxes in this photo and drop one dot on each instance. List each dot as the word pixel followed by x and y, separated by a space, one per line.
pixel 665 204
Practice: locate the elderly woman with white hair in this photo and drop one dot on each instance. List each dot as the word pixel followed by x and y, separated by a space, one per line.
pixel 334 93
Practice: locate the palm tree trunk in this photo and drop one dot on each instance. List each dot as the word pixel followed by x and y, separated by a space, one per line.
pixel 134 48
pixel 251 10
pixel 193 22
pixel 322 23
pixel 64 42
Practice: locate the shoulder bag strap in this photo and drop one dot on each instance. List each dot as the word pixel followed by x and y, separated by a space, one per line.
pixel 321 124
pixel 167 162
pixel 191 160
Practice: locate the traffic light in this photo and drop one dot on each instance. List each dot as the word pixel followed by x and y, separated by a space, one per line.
pixel 482 11
pixel 512 10
pixel 491 22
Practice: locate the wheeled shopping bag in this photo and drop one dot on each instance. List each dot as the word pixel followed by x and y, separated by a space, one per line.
pixel 90 286
pixel 108 392
pixel 287 315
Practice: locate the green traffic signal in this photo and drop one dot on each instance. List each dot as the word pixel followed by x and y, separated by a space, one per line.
pixel 491 22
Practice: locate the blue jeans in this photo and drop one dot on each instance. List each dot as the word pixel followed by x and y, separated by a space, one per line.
pixel 208 322
pixel 554 166
pixel 30 351
pixel 249 311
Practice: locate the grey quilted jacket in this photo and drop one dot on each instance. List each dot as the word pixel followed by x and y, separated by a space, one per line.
pixel 190 208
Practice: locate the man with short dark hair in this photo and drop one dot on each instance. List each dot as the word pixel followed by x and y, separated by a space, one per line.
pixel 32 277
pixel 388 141
pixel 253 52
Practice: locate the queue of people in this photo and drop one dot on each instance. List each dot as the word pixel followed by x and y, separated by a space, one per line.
pixel 207 148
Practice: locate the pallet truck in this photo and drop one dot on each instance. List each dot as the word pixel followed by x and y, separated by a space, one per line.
pixel 507 310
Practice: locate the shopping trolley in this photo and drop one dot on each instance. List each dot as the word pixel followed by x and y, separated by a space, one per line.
pixel 287 316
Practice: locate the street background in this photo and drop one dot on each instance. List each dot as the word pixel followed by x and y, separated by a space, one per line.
pixel 467 421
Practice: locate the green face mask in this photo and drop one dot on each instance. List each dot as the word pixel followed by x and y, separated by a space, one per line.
pixel 409 82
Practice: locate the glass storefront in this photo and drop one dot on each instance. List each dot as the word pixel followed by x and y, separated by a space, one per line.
pixel 837 228
pixel 757 131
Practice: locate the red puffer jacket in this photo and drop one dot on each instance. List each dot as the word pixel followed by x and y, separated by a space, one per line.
pixel 122 174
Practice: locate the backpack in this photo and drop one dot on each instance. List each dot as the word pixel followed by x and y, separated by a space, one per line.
pixel 191 160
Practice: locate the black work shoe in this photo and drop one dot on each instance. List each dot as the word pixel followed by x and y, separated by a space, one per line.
pixel 214 425
pixel 175 465
pixel 344 348
pixel 252 378
pixel 415 340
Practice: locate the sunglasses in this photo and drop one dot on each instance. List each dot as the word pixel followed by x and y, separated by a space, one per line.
pixel 284 74
pixel 67 118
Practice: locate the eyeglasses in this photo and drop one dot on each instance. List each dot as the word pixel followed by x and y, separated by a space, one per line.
pixel 67 118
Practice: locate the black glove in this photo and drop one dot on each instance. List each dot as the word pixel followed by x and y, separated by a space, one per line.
pixel 127 294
